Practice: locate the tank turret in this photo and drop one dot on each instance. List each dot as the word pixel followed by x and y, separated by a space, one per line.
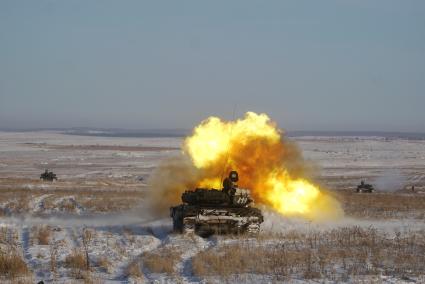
pixel 207 211
pixel 215 197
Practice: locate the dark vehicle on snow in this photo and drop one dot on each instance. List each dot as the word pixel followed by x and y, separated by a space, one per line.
pixel 48 176
pixel 365 187
pixel 208 211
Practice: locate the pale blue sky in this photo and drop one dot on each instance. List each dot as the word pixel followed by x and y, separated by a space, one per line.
pixel 311 65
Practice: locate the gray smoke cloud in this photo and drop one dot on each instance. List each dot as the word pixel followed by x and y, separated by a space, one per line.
pixel 390 181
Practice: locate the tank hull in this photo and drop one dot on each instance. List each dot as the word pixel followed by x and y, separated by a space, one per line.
pixel 48 176
pixel 365 188
pixel 206 220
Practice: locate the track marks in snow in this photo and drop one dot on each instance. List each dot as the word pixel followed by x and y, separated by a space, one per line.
pixel 136 245
pixel 25 240
pixel 37 204
pixel 185 266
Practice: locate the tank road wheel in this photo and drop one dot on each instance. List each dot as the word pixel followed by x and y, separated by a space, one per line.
pixel 204 231
pixel 253 229
pixel 188 226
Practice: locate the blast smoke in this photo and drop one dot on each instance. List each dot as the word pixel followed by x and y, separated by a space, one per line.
pixel 135 216
pixel 390 181
pixel 168 181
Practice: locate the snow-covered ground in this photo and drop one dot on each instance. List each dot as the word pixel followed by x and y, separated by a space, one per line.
pixel 26 154
pixel 344 161
pixel 99 196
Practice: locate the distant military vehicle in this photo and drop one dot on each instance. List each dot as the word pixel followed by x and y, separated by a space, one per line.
pixel 365 187
pixel 48 176
pixel 208 211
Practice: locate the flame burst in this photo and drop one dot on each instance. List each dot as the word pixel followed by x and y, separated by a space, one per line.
pixel 271 167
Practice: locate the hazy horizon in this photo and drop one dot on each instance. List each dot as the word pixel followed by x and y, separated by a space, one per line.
pixel 311 66
pixel 181 132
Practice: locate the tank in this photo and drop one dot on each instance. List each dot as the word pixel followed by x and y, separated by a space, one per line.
pixel 48 176
pixel 365 187
pixel 217 211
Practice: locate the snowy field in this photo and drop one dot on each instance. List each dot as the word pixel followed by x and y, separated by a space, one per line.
pixel 91 226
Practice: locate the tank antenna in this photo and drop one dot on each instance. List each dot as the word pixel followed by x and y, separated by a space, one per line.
pixel 226 161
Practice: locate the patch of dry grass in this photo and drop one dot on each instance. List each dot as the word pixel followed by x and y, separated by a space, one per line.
pixel 43 234
pixel 383 205
pixel 12 264
pixel 162 260
pixel 76 262
pixel 133 270
pixel 53 258
pixel 16 200
pixel 68 205
pixel 18 203
pixel 110 201
pixel 335 255
pixel 9 239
